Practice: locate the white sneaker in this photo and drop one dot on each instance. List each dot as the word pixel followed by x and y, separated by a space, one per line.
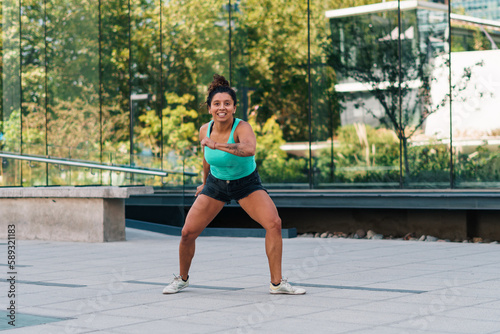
pixel 285 288
pixel 176 285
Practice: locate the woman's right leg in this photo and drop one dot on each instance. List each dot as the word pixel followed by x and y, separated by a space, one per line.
pixel 202 212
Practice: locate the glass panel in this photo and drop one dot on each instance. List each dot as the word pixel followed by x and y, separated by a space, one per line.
pixel 73 84
pixel 269 57
pixel 115 91
pixel 476 95
pixel 425 92
pixel 34 90
pixel 145 83
pixel 362 50
pixel 194 47
pixel 10 120
pixel 484 9
pixel 325 101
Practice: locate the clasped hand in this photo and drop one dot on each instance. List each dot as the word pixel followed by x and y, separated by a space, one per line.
pixel 208 142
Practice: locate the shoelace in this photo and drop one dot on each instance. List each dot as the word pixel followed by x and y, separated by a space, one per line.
pixel 176 279
pixel 284 282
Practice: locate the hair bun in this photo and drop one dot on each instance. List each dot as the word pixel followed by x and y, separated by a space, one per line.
pixel 219 81
pixel 219 85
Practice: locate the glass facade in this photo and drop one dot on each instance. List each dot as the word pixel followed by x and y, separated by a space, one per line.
pixel 485 9
pixel 341 95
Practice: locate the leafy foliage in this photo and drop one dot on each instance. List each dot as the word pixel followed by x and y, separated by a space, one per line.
pixel 80 72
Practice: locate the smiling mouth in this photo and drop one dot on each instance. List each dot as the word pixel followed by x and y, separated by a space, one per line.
pixel 221 114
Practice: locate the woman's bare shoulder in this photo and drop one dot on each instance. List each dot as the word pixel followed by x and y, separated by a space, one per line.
pixel 203 131
pixel 204 127
pixel 244 125
pixel 243 130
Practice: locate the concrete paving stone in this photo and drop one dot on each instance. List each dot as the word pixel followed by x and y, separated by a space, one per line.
pixel 447 324
pixel 485 269
pixel 479 293
pixel 331 269
pixel 466 292
pixel 150 295
pixel 88 306
pixel 207 302
pixel 99 321
pixel 53 274
pixel 169 326
pixel 439 268
pixel 88 280
pixel 448 297
pixel 39 266
pixel 60 293
pixel 474 313
pixel 270 307
pixel 359 278
pixel 246 295
pixel 336 284
pixel 354 277
pixel 360 295
pixel 230 320
pixel 46 329
pixel 133 234
pixel 393 330
pixel 154 311
pixel 46 311
pixel 460 278
pixel 495 332
pixel 32 288
pixel 293 325
pixel 412 284
pixel 236 280
pixel 357 317
pixel 34 300
pixel 324 302
pixel 410 309
pixel 395 273
pixel 490 305
pixel 114 287
pixel 460 262
pixel 464 276
pixel 215 278
pixel 185 299
pixel 484 284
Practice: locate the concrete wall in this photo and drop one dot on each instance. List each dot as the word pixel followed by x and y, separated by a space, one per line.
pixel 86 214
pixel 64 219
pixel 445 224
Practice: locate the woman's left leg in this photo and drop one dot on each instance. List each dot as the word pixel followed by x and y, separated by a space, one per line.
pixel 260 207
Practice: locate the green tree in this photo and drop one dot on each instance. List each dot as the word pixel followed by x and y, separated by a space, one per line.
pixel 365 49
pixel 273 163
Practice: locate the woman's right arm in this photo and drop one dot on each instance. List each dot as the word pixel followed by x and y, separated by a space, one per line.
pixel 206 166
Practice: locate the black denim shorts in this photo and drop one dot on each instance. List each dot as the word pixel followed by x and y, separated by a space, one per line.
pixel 225 191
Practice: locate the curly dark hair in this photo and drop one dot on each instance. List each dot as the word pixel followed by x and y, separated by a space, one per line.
pixel 219 85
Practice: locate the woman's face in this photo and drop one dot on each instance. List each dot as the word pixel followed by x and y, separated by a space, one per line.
pixel 222 107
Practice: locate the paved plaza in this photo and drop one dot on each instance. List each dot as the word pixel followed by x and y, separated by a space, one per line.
pixel 353 286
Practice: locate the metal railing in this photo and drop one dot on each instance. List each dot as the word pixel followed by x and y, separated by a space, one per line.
pixel 93 165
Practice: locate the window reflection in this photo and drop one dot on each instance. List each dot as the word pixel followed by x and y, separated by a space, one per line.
pixel 122 84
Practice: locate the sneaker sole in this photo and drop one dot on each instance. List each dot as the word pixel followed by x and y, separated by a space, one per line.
pixel 171 293
pixel 286 293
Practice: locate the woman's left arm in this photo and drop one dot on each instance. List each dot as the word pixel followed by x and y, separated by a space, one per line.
pixel 244 138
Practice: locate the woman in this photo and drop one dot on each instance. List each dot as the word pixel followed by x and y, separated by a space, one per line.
pixel 229 172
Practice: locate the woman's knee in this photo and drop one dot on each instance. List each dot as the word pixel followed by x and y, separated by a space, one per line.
pixel 188 234
pixel 274 224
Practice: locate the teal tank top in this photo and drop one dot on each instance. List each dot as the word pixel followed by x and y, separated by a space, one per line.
pixel 227 166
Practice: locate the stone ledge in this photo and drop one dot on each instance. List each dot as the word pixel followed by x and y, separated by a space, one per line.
pixel 74 192
pixel 85 214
